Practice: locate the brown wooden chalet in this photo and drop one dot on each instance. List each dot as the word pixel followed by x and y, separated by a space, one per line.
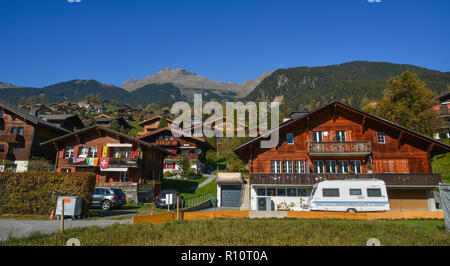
pixel 20 135
pixel 152 124
pixel 193 147
pixel 338 141
pixel 117 160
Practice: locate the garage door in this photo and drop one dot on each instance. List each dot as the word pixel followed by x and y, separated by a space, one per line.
pixel 231 196
pixel 408 200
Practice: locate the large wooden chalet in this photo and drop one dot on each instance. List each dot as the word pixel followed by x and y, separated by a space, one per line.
pixel 117 160
pixel 337 141
pixel 20 135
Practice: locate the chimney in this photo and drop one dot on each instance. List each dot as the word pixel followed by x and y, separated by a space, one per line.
pixel 299 113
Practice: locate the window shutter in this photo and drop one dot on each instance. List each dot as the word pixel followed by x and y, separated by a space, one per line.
pixel 75 151
pixel 164 165
pixel 375 137
pixel 173 165
pixel 61 154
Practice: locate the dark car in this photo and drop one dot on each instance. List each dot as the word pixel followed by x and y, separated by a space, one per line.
pixel 108 198
pixel 161 198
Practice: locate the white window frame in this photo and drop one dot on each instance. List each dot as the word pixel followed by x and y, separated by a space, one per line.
pixel 83 151
pixel 341 134
pixel 275 166
pixel 69 152
pixel 355 166
pixel 321 165
pixel 317 136
pixel 288 166
pixel 300 166
pixel 383 139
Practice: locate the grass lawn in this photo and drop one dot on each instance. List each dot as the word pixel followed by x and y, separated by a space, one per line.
pixel 441 164
pixel 187 188
pixel 257 232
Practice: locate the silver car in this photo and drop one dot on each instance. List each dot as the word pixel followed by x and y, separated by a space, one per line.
pixel 108 198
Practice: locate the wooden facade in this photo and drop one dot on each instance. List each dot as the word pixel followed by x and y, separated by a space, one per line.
pixel 340 142
pixel 127 160
pixel 20 135
pixel 193 147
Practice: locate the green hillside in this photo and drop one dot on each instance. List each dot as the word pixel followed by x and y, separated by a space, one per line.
pixel 310 87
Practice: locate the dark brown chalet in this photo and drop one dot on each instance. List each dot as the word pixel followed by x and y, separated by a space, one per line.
pixel 151 124
pixel 337 141
pixel 20 135
pixel 193 147
pixel 118 160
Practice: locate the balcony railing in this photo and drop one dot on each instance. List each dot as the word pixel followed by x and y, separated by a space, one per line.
pixel 430 180
pixel 178 157
pixel 113 163
pixel 341 148
pixel 167 142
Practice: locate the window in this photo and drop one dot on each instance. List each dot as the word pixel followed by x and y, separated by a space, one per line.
pixel 291 192
pixel 69 152
pixel 271 192
pixel 14 130
pixel 159 137
pixel 18 148
pixel 275 166
pixel 340 136
pixel 301 192
pixel 83 151
pixel 65 170
pixel 381 138
pixel 99 191
pixel 260 191
pixel 355 192
pixel 317 136
pixel 123 176
pixel 373 192
pixel 20 131
pixel 281 192
pixel 330 192
pixel 356 166
pixel 318 167
pixel 2 148
pixel 330 166
pixel 300 167
pixel 127 153
pixel 93 152
pixel 290 138
pixel 288 167
pixel 342 167
pixel 108 192
pixel 117 152
pixel 1 113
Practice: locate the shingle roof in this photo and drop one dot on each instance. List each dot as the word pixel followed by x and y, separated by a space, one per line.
pixel 27 116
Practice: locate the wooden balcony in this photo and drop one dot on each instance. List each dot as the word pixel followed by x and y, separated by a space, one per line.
pixel 399 180
pixel 178 157
pixel 166 142
pixel 335 148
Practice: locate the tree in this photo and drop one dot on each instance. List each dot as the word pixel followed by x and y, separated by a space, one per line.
pixel 407 101
pixel 186 170
pixel 163 122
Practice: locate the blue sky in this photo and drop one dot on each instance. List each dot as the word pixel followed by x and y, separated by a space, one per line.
pixel 45 42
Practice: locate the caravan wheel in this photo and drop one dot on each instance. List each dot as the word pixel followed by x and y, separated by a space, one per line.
pixel 351 210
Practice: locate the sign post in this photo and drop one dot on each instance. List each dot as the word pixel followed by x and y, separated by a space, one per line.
pixel 178 207
pixel 169 201
pixel 62 215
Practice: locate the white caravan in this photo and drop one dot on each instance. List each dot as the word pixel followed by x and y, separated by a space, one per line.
pixel 351 195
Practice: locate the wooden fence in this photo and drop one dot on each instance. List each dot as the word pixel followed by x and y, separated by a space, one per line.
pixel 160 218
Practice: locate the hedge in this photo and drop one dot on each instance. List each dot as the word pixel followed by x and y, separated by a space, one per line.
pixel 37 192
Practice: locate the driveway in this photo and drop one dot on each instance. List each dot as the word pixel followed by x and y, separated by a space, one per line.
pixel 23 228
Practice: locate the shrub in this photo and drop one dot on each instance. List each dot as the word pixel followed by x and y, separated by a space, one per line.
pixel 37 192
pixel 168 174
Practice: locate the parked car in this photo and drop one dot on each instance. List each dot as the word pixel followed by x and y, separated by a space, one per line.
pixel 351 195
pixel 161 198
pixel 108 198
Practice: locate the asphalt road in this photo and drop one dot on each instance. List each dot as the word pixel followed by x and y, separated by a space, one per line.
pixel 23 228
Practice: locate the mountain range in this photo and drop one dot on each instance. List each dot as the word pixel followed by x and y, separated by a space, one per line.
pixel 296 88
